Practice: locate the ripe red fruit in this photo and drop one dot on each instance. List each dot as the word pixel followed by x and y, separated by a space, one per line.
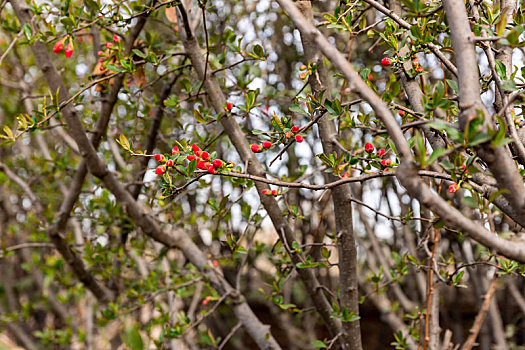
pixel 380 152
pixel 386 162
pixel 274 193
pixel 288 135
pixel 298 138
pixel 295 128
pixel 160 170
pixel 453 188
pixel 266 191
pixel 217 163
pixel 401 112
pixel 191 157
pixel 267 144
pixel 159 157
pixel 169 162
pixel 369 148
pixel 255 148
pixel 385 62
pixel 419 69
pixel 201 164
pixel 109 45
pixel 415 62
pixel 59 46
pixel 205 155
pixel 68 51
pixel 196 149
pixel 303 67
pixel 229 106
pixel 116 38
pixel 175 150
pixel 211 169
pixel 215 263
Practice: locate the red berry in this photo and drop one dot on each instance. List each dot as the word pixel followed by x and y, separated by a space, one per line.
pixel 386 162
pixel 205 155
pixel 303 67
pixel 229 106
pixel 401 112
pixel 201 164
pixel 369 148
pixel 59 46
pixel 68 51
pixel 196 149
pixel 191 157
pixel 298 138
pixel 169 162
pixel 380 152
pixel 215 263
pixel 109 45
pixel 267 144
pixel 255 148
pixel 419 69
pixel 266 191
pixel 175 150
pixel 295 128
pixel 386 62
pixel 159 157
pixel 160 170
pixel 207 300
pixel 288 135
pixel 453 188
pixel 116 38
pixel 211 169
pixel 217 163
pixel 274 193
pixel 415 62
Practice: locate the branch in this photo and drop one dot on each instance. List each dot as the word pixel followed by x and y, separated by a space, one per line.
pixel 478 322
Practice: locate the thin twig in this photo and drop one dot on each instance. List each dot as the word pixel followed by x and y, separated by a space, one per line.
pixel 478 322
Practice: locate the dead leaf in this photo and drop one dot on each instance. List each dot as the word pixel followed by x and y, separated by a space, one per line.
pixel 171 14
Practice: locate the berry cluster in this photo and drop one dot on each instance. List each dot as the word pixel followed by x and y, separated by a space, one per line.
pixel 369 148
pixel 267 144
pixel 59 46
pixel 108 54
pixel 203 159
pixel 269 192
pixel 387 61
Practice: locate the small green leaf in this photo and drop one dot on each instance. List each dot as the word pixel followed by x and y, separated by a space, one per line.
pixel 28 32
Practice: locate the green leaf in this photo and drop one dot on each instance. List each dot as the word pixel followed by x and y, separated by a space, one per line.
pixel 435 155
pixel 139 53
pixel 28 32
pixel 453 85
pixel 296 109
pixel 192 166
pixel 133 338
pixel 319 344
